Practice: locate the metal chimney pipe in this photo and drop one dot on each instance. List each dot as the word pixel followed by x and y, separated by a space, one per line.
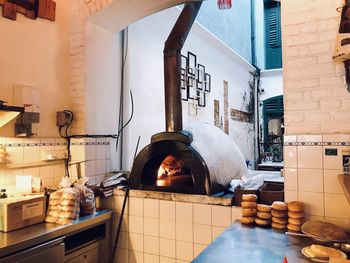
pixel 172 66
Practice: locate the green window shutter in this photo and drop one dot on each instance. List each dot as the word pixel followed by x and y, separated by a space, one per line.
pixel 273 36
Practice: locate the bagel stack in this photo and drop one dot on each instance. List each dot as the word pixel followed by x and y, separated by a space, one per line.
pixel 263 215
pixel 295 216
pixel 248 208
pixel 279 214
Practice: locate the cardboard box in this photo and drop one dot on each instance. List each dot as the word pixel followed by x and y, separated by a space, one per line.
pixel 21 212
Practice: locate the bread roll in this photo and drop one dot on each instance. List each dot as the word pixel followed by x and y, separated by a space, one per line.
pixel 295 214
pixel 247 220
pixel 279 213
pixel 296 221
pixel 295 206
pixel 296 228
pixel 264 215
pixel 264 208
pixel 245 212
pixel 279 220
pixel 246 204
pixel 249 197
pixel 278 205
pixel 278 226
pixel 262 222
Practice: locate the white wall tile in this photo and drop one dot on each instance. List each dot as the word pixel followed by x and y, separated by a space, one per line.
pixel 33 171
pixel 310 180
pixel 184 250
pixel 122 256
pixel 135 257
pixel 184 231
pixel 336 205
pixel 290 138
pixel 167 228
pixel 167 248
pixel 314 203
pixel 119 200
pixel 202 214
pixel 236 213
pixel 291 196
pixel 221 215
pixel 167 209
pixel 291 157
pixel 135 206
pixel 184 212
pixel 331 182
pixel 336 137
pixel 125 222
pixel 202 234
pixel 343 223
pixel 101 151
pixel 151 226
pixel 101 166
pixel 197 249
pixel 216 231
pixel 89 168
pixel 123 241
pixel 310 157
pixel 290 179
pixel 148 258
pixel 136 224
pixel 309 138
pixel 90 152
pixel 14 154
pixel 151 245
pixel 167 260
pixel 136 242
pixel 151 207
pixel 31 154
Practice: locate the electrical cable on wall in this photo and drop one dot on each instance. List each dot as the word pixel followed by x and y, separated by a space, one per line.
pixel 64 128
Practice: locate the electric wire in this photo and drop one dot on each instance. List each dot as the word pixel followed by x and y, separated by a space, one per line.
pixel 123 208
pixel 80 136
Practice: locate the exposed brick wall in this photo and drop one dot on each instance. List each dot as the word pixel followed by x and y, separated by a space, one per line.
pixel 81 10
pixel 316 100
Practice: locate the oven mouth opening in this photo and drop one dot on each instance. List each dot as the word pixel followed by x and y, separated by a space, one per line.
pixel 167 171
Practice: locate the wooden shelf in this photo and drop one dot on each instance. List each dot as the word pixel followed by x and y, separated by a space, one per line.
pixel 33 164
pixel 345 184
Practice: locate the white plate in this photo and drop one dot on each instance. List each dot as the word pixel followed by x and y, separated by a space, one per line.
pixel 303 251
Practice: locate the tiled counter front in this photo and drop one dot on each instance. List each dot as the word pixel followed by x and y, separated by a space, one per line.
pixel 311 175
pixel 165 231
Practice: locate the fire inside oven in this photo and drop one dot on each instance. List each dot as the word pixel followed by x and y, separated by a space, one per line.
pixel 173 172
pixel 167 171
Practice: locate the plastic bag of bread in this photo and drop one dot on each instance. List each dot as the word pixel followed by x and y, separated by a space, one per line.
pixel 64 206
pixel 87 198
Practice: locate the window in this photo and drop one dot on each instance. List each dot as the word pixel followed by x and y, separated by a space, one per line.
pixel 273 38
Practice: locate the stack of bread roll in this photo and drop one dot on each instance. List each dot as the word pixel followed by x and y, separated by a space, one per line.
pixel 248 208
pixel 295 216
pixel 264 215
pixel 279 214
pixel 63 206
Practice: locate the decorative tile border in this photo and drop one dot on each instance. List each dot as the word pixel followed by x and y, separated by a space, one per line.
pixel 51 144
pixel 316 144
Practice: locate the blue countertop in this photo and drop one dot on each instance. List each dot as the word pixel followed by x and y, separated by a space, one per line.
pixel 252 244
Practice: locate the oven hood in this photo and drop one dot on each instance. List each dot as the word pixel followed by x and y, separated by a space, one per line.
pixel 8 113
